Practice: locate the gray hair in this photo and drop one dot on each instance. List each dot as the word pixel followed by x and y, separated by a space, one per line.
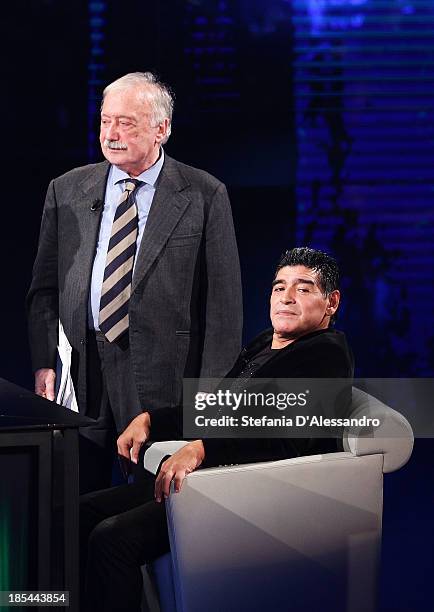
pixel 159 95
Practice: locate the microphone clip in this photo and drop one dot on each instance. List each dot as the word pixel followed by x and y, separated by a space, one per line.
pixel 96 205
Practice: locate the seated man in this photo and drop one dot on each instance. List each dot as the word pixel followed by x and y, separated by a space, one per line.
pixel 123 528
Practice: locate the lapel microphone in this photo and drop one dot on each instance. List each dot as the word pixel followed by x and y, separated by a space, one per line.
pixel 96 205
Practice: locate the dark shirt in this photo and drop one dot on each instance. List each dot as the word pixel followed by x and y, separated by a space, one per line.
pixel 256 361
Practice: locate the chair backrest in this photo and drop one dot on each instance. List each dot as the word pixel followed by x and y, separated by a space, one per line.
pixel 393 438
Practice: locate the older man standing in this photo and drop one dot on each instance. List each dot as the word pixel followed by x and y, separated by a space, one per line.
pixel 137 259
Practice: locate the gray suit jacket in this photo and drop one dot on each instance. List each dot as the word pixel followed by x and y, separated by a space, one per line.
pixel 186 306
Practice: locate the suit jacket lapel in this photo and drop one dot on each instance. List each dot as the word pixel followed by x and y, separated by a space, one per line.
pixel 92 191
pixel 168 206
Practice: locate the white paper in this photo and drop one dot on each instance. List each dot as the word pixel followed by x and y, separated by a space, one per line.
pixel 66 393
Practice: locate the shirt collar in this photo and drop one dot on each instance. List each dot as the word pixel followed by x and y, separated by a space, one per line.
pixel 149 176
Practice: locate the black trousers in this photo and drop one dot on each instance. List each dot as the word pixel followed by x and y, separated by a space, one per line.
pixel 113 402
pixel 121 529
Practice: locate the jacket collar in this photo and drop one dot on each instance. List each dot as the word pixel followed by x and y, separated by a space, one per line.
pixel 264 338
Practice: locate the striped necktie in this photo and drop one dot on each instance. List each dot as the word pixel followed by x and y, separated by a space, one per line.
pixel 118 273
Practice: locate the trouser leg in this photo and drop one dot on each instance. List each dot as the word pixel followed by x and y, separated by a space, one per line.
pixel 121 389
pixel 120 530
pixel 112 401
pixel 120 382
pixel 97 442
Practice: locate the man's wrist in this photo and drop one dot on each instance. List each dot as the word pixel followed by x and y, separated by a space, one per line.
pixel 146 419
pixel 199 449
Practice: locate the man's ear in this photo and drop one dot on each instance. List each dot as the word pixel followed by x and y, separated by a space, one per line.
pixel 333 302
pixel 162 131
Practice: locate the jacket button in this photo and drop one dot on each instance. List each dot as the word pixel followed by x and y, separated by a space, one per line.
pixel 83 341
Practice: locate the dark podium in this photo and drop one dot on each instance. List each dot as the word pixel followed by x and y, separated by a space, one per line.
pixel 38 493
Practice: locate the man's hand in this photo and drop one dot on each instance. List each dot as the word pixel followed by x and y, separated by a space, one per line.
pixel 45 379
pixel 135 435
pixel 184 461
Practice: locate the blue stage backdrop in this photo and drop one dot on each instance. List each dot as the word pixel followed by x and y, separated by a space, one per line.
pixel 317 114
pixel 364 99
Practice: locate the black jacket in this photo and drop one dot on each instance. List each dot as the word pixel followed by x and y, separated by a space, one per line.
pixel 321 354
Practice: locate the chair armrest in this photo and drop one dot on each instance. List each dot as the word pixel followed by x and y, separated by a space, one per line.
pixel 156 452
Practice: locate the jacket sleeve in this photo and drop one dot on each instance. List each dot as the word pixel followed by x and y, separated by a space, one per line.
pixel 42 302
pixel 166 423
pixel 221 282
pixel 250 450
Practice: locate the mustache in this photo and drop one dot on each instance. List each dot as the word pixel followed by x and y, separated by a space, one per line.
pixel 115 144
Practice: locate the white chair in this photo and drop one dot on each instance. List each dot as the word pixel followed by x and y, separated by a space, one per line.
pixel 299 535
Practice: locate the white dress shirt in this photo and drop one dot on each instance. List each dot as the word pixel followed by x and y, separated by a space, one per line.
pixel 113 193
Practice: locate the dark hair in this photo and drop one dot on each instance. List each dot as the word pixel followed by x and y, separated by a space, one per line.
pixel 324 265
